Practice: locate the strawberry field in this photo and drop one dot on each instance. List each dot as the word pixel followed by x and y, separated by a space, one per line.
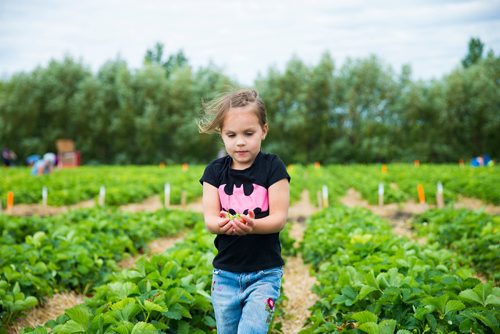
pixel 440 278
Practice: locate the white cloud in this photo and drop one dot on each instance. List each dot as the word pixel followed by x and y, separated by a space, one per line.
pixel 246 37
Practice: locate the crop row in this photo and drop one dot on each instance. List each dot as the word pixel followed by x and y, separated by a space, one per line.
pixel 475 235
pixel 167 293
pixel 374 282
pixel 123 185
pixel 127 184
pixel 400 182
pixel 77 250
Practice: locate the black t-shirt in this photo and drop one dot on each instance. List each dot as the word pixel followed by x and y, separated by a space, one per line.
pixel 240 191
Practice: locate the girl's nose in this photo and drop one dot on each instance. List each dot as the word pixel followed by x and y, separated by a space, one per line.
pixel 240 141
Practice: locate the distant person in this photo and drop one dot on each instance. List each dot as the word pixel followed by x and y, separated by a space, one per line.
pixel 245 201
pixel 31 159
pixel 481 160
pixel 44 165
pixel 8 156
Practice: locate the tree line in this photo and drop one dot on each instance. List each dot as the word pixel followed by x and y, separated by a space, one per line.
pixel 363 111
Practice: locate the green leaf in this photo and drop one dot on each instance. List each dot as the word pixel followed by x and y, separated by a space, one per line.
pixel 69 327
pixel 209 321
pixel 403 331
pixel 466 326
pixel 30 302
pixel 422 311
pixel 39 330
pixel 387 326
pixel 438 302
pixel 183 328
pixel 471 296
pixel 454 305
pixel 80 314
pixel 122 290
pixel 488 318
pixel 492 300
pixel 129 312
pixel 483 290
pixel 143 327
pixel 365 290
pixel 150 306
pixel 370 328
pixel 371 280
pixel 364 317
pixel 123 328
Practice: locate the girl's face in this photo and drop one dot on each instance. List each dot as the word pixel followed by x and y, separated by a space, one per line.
pixel 242 135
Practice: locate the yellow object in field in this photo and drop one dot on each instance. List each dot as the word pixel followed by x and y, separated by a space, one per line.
pixel 10 200
pixel 421 194
pixel 384 169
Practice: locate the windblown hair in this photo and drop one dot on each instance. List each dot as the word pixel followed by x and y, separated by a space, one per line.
pixel 215 110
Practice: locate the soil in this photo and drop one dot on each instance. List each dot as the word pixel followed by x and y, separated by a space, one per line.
pixel 298 281
pixel 51 309
pixel 399 216
pixel 156 246
pixel 149 204
pixel 476 204
pixel 41 210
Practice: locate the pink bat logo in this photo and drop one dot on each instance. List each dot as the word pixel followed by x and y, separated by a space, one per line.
pixel 240 202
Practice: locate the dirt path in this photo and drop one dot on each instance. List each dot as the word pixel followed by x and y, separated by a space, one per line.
pixel 40 210
pixel 476 204
pixel 51 309
pixel 149 204
pixel 156 246
pixel 399 216
pixel 298 282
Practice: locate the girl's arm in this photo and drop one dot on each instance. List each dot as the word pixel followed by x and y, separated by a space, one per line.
pixel 215 219
pixel 279 200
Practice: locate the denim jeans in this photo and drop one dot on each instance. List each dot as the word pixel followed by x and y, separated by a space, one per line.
pixel 244 302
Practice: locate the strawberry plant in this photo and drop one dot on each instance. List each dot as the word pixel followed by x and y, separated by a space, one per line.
pixel 73 251
pixel 169 293
pixel 371 281
pixel 475 235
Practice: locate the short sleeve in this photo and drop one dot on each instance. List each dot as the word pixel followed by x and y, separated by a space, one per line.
pixel 278 171
pixel 209 176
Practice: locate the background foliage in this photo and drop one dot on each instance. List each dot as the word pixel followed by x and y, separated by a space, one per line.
pixel 363 111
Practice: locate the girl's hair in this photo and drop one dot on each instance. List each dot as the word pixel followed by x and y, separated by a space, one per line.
pixel 216 110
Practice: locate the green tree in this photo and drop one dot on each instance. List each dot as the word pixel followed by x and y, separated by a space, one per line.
pixel 475 52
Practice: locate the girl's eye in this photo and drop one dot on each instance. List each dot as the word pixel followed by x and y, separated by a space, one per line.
pixel 230 135
pixel 249 134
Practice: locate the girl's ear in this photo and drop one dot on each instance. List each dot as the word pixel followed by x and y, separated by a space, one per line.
pixel 265 129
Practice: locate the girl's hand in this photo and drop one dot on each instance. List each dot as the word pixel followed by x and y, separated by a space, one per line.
pixel 224 226
pixel 244 224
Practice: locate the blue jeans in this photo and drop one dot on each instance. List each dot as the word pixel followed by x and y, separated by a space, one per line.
pixel 244 302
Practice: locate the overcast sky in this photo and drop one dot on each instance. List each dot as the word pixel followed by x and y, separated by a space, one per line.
pixel 246 37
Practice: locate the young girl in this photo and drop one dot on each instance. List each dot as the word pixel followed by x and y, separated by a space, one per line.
pixel 245 202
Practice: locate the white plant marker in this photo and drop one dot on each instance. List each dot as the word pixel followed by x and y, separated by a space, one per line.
pixel 102 196
pixel 45 195
pixel 166 191
pixel 439 196
pixel 380 194
pixel 325 196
